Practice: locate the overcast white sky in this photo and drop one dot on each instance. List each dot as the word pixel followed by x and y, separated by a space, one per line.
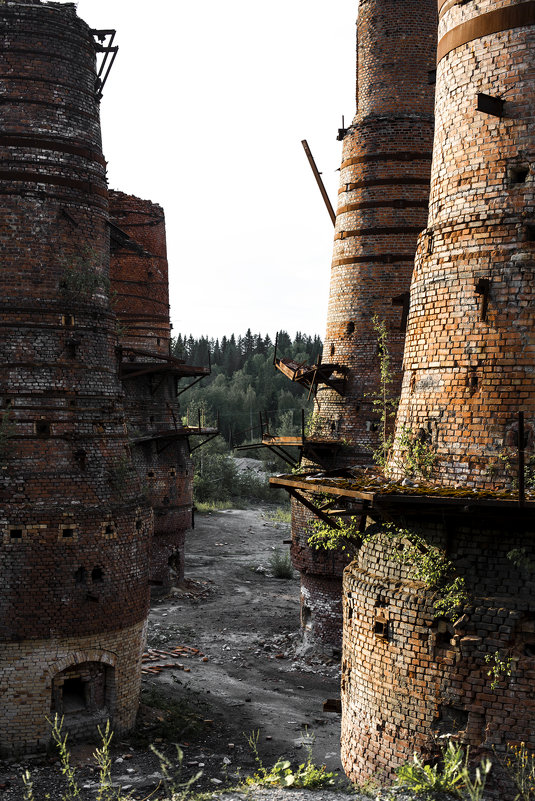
pixel 204 112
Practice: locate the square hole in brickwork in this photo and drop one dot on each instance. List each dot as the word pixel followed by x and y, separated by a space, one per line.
pixel 67 320
pixel 518 174
pixel 42 428
pixel 139 524
pixel 68 532
pixel 530 233
pixel 109 529
pixel 16 534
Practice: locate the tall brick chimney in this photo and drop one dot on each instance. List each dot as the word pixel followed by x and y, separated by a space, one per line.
pixel 74 529
pixel 470 349
pixel 382 207
pixel 139 277
pixel 413 671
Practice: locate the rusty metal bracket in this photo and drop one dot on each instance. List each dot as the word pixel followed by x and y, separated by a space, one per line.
pixel 104 44
pixel 312 508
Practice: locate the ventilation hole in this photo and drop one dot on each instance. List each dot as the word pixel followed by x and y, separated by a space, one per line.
pixel 109 530
pixel 530 233
pixel 151 419
pixel 157 340
pixel 443 640
pixel 67 533
pixel 42 428
pixel 71 350
pixel 97 575
pixel 150 474
pixel 139 525
pixel 68 320
pixel 380 628
pixel 529 649
pixel 350 328
pixel 15 534
pixel 80 575
pixel 333 350
pixel 518 175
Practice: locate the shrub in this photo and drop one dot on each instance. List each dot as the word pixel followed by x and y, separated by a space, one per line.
pixel 280 564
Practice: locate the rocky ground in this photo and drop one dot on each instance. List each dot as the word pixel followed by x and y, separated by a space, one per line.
pixel 224 661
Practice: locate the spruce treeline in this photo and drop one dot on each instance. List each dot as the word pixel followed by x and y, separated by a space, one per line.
pixel 244 383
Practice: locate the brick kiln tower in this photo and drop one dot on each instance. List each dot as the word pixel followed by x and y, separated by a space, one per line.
pixel 408 673
pixel 74 531
pixel 150 375
pixel 383 202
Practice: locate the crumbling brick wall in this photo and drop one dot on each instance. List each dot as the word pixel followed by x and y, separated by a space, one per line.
pixel 382 207
pixel 74 530
pixel 139 277
pixel 469 356
pixel 410 675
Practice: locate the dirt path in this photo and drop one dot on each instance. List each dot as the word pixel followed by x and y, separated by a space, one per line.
pixel 248 674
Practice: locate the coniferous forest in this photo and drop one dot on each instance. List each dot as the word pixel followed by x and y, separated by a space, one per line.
pixel 244 383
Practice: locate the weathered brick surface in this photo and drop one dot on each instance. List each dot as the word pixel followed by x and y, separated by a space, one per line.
pixel 382 206
pixel 29 668
pixel 139 277
pixel 74 530
pixel 466 378
pixel 409 675
pixel 140 274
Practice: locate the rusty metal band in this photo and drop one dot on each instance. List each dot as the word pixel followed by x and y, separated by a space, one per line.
pixel 404 155
pixel 376 258
pixel 19 140
pixel 403 180
pixel 502 19
pixel 162 318
pixel 448 3
pixel 380 231
pixel 87 187
pixel 384 204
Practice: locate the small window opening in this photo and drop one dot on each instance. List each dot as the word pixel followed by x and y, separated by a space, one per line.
pixel 172 472
pixel 530 233
pixel 151 419
pixel 139 525
pixel 350 328
pixel 68 320
pixel 150 474
pixel 71 347
pixel 73 695
pixel 42 428
pixel 67 533
pixel 333 350
pixel 380 628
pixel 97 575
pixel 15 534
pixel 518 175
pixel 157 340
pixel 80 576
pixel 109 530
pixel 81 458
